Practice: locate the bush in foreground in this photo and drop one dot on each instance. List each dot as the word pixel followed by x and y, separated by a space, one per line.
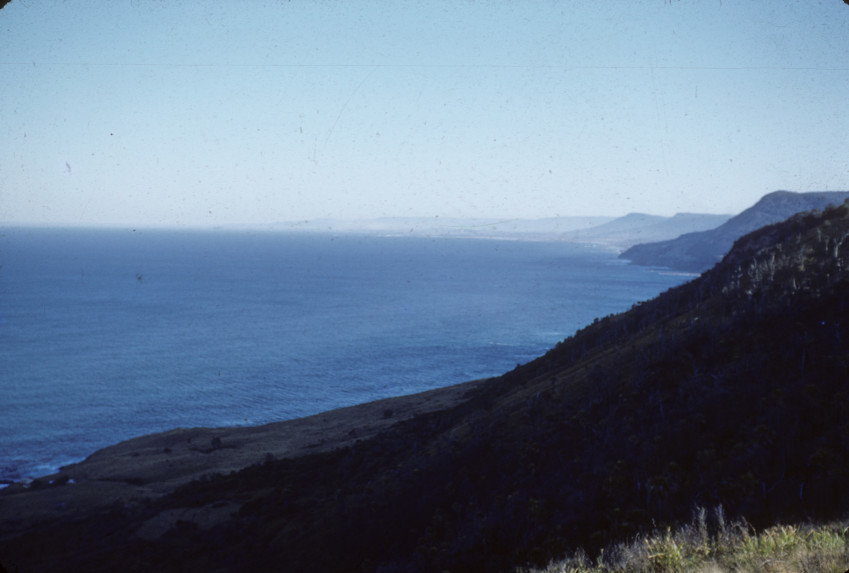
pixel 711 545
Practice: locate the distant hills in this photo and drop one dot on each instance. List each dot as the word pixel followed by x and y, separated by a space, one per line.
pixel 730 390
pixel 698 251
pixel 689 242
pixel 619 233
pixel 635 228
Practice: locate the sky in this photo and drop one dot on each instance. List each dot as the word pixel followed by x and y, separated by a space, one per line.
pixel 199 114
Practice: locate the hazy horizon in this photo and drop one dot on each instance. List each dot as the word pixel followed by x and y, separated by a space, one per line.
pixel 183 115
pixel 586 221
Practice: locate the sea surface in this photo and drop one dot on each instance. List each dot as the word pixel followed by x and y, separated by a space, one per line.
pixel 110 334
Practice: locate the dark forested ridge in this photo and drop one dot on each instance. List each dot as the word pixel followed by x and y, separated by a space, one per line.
pixel 699 251
pixel 731 389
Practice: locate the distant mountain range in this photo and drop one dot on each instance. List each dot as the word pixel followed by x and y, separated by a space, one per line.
pixel 619 233
pixel 730 390
pixel 699 251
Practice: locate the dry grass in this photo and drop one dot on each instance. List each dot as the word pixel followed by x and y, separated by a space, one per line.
pixel 709 544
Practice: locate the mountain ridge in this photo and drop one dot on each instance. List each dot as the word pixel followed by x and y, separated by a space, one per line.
pixel 635 228
pixel 698 251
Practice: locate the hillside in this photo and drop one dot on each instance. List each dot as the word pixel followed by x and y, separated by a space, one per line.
pixel 636 228
pixel 699 251
pixel 731 389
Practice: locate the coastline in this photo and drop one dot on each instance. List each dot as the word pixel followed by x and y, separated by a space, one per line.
pixel 150 466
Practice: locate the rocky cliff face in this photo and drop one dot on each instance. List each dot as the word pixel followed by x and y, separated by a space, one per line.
pixel 697 252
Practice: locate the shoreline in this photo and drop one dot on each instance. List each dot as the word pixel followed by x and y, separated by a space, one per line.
pixel 361 418
pixel 153 465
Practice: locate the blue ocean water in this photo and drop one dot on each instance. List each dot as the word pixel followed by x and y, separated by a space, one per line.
pixel 110 334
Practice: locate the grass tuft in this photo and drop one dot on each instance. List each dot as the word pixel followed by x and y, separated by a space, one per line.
pixel 709 544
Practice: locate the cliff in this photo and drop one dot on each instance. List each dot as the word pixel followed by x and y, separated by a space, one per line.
pixel 699 251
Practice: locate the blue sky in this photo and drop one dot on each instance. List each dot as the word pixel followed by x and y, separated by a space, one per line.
pixel 214 113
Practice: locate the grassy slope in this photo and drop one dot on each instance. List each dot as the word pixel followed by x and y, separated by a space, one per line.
pixel 709 544
pixel 729 390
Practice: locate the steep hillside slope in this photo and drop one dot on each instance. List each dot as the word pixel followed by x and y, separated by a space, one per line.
pixel 697 252
pixel 731 389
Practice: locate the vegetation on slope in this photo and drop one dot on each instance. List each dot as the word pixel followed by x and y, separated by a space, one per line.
pixel 709 544
pixel 730 390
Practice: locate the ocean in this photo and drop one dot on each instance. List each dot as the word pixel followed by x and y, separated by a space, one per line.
pixel 110 334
